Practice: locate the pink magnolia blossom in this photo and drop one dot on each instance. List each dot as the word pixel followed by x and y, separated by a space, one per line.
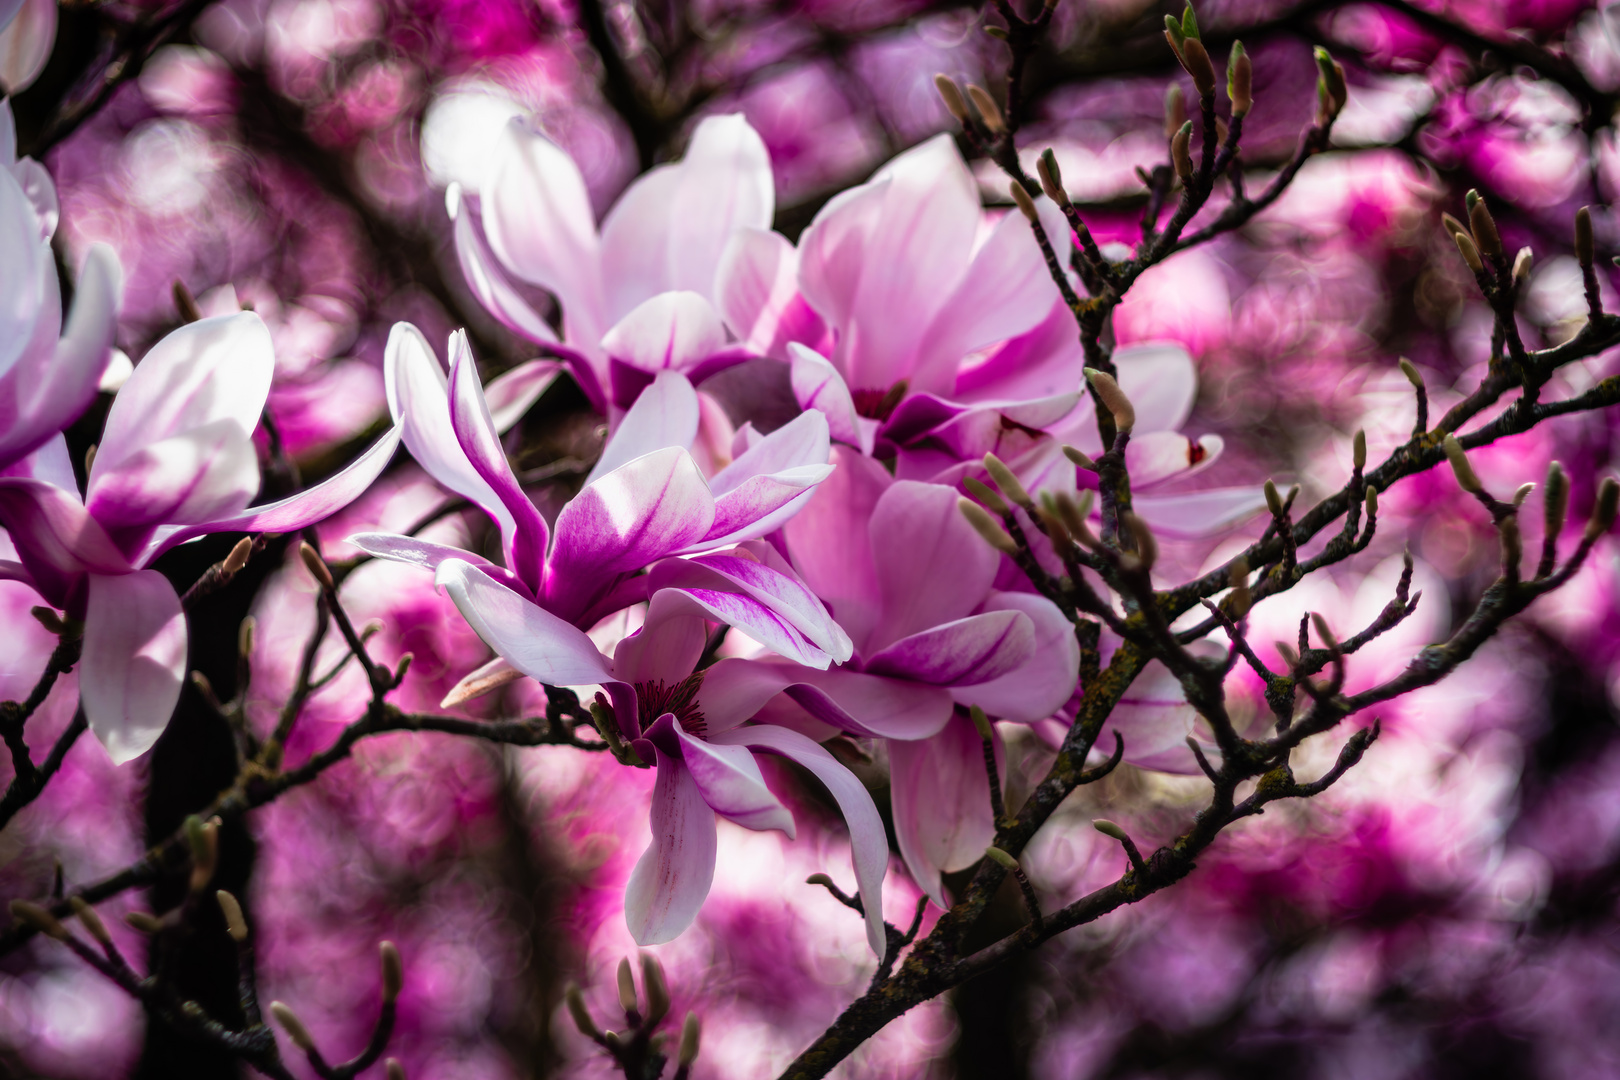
pixel 640 296
pixel 692 722
pixel 47 377
pixel 26 43
pixel 176 461
pixel 644 501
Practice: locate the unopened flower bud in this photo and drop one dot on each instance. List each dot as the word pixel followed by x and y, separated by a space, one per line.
pixel 294 1027
pixel 1325 632
pixel 49 619
pixel 1240 81
pixel 1470 252
pixel 1372 501
pixel 1286 651
pixel 1452 225
pixel 951 95
pixel 582 1016
pixel 989 112
pixel 1242 598
pixel 1113 398
pixel 1522 262
pixel 1555 499
pixel 393 972
pixel 1051 178
pixel 657 988
pixel 1007 482
pixel 1001 858
pixel 1195 58
pixel 1331 90
pixel 1274 501
pixel 90 919
pixel 1147 548
pixel 244 637
pixel 612 1039
pixel 1173 34
pixel 691 1032
pixel 1358 449
pixel 1026 205
pixel 185 305
pixel 204 840
pixel 38 918
pixel 1109 829
pixel 1485 234
pixel 1583 236
pixel 1522 494
pixel 987 527
pixel 1047 515
pixel 1074 517
pixel 981 723
pixel 819 879
pixel 987 495
pixel 627 986
pixel 1181 152
pixel 316 565
pixel 235 922
pixel 1079 458
pixel 395 1069
pixel 143 921
pixel 1410 370
pixel 1466 479
pixel 238 556
pixel 1602 519
pixel 90 458
pixel 1175 110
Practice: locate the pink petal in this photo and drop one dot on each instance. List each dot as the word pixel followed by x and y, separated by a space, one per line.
pixel 941 800
pixel 55 538
pixel 757 291
pixel 871 705
pixel 869 845
pixel 668 645
pixel 428 556
pixel 932 567
pixel 729 780
pixel 770 482
pixel 733 690
pixel 817 385
pixel 1199 513
pixel 976 649
pixel 535 641
pixel 525 544
pixel 216 369
pixel 485 277
pixel 757 571
pixel 22 271
pixel 134 660
pixel 198 475
pixel 1161 381
pixel 831 547
pixel 1041 362
pixel 672 330
pixel 1041 685
pixel 1155 720
pixel 672 878
pixel 665 415
pixel 26 44
pixel 641 512
pixel 1160 456
pixel 511 393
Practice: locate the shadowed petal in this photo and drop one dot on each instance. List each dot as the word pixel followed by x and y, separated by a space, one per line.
pixel 1039 686
pixel 134 660
pixel 485 276
pixel 672 878
pixel 871 705
pixel 932 567
pixel 55 538
pixel 971 650
pixel 728 778
pixel 536 642
pixel 1199 513
pixel 941 799
pixel 869 845
pixel 769 581
pixel 817 385
pixel 665 414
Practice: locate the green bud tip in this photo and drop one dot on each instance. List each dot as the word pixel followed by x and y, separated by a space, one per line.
pixel 1000 858
pixel 627 986
pixel 1108 828
pixel 691 1032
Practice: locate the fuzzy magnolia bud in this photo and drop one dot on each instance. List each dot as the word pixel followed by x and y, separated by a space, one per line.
pixel 235 922
pixel 316 565
pixel 1372 502
pixel 1195 58
pixel 1410 370
pixel 1175 110
pixel 1079 458
pixel 1026 205
pixel 627 986
pixel 987 527
pixel 657 987
pixel 1147 548
pixel 1325 632
pixel 691 1033
pixel 1173 34
pixel 989 112
pixel 1051 177
pixel 1555 499
pixel 1181 152
pixel 1074 517
pixel 1522 494
pixel 244 637
pixel 49 619
pixel 393 972
pixel 204 840
pixel 1113 398
pixel 951 95
pixel 1466 479
pixel 1274 501
pixel 1470 252
pixel 1007 482
pixel 294 1027
pixel 1109 829
pixel 1331 91
pixel 1240 81
pixel 395 1069
pixel 90 920
pixel 1522 262
pixel 987 496
pixel 145 922
pixel 1452 225
pixel 238 557
pixel 981 723
pixel 1358 449
pixel 1603 511
pixel 1242 598
pixel 1047 515
pixel 582 1016
pixel 38 918
pixel 1485 234
pixel 1286 651
pixel 1001 858
pixel 1583 236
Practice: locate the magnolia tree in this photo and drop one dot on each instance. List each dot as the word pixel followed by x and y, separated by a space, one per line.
pixel 713 549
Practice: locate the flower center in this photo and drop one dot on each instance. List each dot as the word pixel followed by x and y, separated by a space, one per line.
pixel 878 405
pixel 680 698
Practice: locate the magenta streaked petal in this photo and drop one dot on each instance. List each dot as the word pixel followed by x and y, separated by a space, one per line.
pixel 818 385
pixel 869 845
pixel 56 539
pixel 672 878
pixel 199 475
pixel 475 431
pixel 871 705
pixel 932 567
pixel 761 573
pixel 976 649
pixel 941 799
pixel 428 555
pixel 673 330
pixel 487 279
pixel 1041 685
pixel 728 778
pixel 757 291
pixel 830 546
pixel 666 414
pixel 134 660
pixel 535 641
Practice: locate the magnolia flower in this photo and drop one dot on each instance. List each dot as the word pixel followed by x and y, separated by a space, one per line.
pixel 913 585
pixel 690 722
pixel 47 377
pixel 641 296
pixel 644 501
pixel 176 461
pixel 26 43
